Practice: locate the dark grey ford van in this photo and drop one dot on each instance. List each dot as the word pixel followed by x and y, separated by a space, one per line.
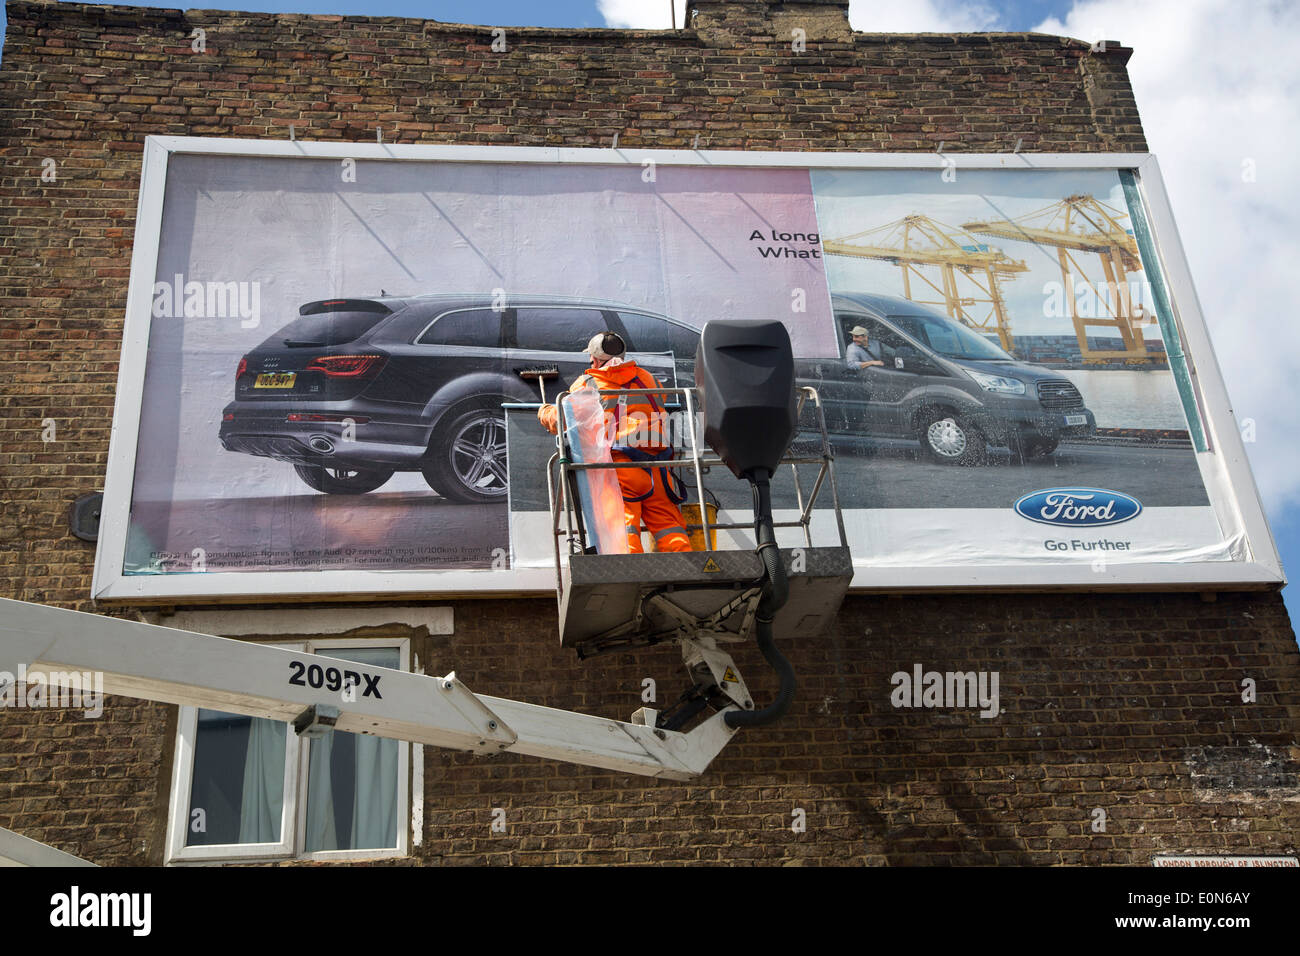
pixel 947 386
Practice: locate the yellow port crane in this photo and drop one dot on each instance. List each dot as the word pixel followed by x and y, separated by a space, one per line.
pixel 1077 224
pixel 969 270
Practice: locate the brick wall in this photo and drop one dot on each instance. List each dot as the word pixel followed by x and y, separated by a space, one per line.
pixel 1129 703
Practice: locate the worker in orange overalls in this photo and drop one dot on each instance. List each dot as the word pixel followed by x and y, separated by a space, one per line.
pixel 639 428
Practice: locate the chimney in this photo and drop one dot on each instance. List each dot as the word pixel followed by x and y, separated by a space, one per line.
pixel 731 22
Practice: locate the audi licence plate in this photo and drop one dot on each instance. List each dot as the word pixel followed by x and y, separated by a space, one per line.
pixel 1076 419
pixel 275 380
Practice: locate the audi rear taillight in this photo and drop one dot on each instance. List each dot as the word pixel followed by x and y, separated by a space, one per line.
pixel 347 366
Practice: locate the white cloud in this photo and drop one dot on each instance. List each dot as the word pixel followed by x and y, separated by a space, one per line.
pixel 922 16
pixel 908 16
pixel 1218 88
pixel 641 14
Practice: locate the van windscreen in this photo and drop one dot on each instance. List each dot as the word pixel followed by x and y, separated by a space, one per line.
pixel 950 339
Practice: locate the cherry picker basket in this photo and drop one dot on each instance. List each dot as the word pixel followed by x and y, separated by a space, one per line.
pixel 617 601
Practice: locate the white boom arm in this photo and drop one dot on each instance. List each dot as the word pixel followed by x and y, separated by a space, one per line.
pixel 151 662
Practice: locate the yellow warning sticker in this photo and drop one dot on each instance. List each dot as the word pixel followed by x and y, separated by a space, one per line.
pixel 730 675
pixel 711 566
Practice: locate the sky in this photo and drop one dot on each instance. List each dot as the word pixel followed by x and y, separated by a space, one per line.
pixel 1217 83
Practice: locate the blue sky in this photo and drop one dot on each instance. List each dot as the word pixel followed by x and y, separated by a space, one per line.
pixel 1218 86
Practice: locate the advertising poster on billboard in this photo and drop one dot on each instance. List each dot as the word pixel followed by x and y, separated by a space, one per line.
pixel 1017 306
pixel 322 374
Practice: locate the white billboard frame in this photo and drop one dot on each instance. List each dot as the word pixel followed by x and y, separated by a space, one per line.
pixel 1230 483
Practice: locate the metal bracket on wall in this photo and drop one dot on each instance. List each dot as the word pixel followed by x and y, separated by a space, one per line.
pixel 83 516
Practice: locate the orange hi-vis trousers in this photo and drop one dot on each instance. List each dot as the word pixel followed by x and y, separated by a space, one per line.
pixel 646 501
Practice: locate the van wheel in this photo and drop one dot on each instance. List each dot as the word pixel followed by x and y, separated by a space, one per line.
pixel 1036 448
pixel 467 456
pixel 950 438
pixel 342 481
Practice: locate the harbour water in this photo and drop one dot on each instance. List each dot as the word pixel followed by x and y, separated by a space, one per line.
pixel 1121 398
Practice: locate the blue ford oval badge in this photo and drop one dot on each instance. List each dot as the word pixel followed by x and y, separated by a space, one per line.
pixel 1078 507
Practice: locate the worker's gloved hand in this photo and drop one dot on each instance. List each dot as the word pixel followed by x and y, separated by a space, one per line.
pixel 548 416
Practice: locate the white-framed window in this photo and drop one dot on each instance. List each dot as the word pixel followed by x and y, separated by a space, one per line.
pixel 246 789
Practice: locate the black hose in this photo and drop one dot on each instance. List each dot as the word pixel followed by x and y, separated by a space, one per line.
pixel 778 707
pixel 776 591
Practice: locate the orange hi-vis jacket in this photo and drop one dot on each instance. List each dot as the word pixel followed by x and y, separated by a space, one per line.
pixel 639 420
pixel 639 429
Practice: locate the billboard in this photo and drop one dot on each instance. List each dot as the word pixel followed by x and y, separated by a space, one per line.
pixel 319 391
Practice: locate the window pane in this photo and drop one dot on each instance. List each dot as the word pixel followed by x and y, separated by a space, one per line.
pixel 644 333
pixel 352 778
pixel 558 330
pixel 878 334
pixel 237 793
pixel 480 328
pixel 683 341
pixel 949 338
pixel 325 328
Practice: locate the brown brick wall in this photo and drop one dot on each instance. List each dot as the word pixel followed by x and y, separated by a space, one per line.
pixel 1130 703
pixel 89 787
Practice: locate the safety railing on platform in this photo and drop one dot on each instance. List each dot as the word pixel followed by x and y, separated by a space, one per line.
pixel 562 470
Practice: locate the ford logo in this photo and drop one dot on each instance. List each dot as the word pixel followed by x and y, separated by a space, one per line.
pixel 1078 507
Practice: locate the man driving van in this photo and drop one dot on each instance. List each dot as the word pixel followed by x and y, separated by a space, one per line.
pixel 862 353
